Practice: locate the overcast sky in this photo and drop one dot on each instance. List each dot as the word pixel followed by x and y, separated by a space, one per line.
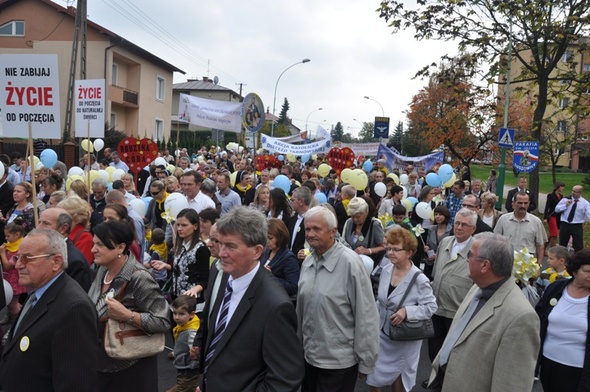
pixel 352 51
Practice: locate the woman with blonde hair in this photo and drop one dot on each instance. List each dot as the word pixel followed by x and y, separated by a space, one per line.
pixel 488 214
pixel 80 212
pixel 23 206
pixel 261 199
pixel 129 184
pixel 79 188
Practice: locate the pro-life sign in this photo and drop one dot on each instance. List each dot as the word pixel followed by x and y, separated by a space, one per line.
pixel 89 98
pixel 29 94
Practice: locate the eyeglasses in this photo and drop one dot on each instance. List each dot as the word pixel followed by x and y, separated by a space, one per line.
pixel 396 250
pixel 468 206
pixel 156 193
pixel 461 224
pixel 25 259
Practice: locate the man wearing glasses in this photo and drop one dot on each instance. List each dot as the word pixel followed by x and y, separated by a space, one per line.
pixel 451 278
pixel 39 353
pixel 473 203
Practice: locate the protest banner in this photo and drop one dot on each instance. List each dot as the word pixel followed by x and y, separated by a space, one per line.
pixel 210 113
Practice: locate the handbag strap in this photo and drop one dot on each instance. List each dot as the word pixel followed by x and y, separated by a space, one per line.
pixel 412 281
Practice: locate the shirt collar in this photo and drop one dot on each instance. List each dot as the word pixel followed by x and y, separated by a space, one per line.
pixel 41 290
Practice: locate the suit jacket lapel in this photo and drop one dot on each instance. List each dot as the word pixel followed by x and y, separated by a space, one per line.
pixel 240 312
pixel 36 312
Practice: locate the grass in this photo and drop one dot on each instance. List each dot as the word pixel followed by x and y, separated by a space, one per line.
pixel 482 172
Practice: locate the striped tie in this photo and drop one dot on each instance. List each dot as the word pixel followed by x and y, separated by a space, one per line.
pixel 221 324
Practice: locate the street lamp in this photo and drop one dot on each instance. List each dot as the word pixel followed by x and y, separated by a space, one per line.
pixel 371 99
pixel 313 111
pixel 274 100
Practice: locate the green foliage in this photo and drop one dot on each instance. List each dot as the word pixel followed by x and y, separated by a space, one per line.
pixel 338 132
pixel 396 137
pixel 113 137
pixel 283 115
pixel 366 133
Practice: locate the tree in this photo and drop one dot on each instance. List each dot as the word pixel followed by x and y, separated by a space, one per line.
pixel 413 143
pixel 542 32
pixel 366 133
pixel 453 112
pixel 397 138
pixel 338 132
pixel 283 119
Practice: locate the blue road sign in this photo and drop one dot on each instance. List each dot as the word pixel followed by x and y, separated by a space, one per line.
pixel 506 138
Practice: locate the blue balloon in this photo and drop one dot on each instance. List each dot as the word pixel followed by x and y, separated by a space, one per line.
pixel 368 166
pixel 147 200
pixel 48 158
pixel 305 158
pixel 445 172
pixel 281 181
pixel 281 158
pixel 321 197
pixel 433 180
pixel 110 187
pixel 413 200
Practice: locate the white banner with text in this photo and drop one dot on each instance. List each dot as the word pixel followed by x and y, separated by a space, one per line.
pixel 210 113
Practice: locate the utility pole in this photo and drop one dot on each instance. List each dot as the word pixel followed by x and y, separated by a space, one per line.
pixel 80 26
pixel 241 84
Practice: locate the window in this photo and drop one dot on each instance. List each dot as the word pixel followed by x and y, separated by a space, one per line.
pixel 160 88
pixel 567 56
pixel 561 126
pixel 16 28
pixel 585 67
pixel 113 123
pixel 115 74
pixel 564 103
pixel 159 130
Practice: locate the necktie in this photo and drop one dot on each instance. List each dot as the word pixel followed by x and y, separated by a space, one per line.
pixel 221 324
pixel 456 332
pixel 572 213
pixel 28 305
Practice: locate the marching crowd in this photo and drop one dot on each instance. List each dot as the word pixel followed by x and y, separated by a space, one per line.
pixel 275 274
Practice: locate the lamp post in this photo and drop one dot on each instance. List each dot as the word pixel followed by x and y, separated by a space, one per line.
pixel 274 100
pixel 313 111
pixel 371 99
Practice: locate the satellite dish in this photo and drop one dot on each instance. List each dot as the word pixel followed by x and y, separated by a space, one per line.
pixel 216 80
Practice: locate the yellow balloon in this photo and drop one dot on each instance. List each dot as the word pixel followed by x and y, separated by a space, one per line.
pixel 87 145
pixel 68 183
pixel 407 204
pixel 291 157
pixel 232 178
pixel 90 178
pixel 36 161
pixel 324 170
pixel 110 170
pixel 345 175
pixel 171 168
pixel 450 183
pixel 358 179
pixel 394 177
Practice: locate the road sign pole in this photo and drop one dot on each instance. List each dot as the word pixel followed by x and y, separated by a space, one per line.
pixel 501 176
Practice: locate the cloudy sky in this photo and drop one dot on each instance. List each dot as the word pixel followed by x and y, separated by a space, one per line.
pixel 353 53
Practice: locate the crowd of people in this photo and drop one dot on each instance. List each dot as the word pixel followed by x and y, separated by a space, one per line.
pixel 267 287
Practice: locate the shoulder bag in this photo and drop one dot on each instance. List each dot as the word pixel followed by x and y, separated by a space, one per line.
pixel 125 341
pixel 411 330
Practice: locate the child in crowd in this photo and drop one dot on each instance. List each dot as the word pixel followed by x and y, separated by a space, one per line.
pixel 14 233
pixel 557 258
pixel 158 253
pixel 187 324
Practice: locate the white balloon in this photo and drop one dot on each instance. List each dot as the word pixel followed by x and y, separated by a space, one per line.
pixel 404 179
pixel 1 171
pixel 380 189
pixel 8 293
pixel 160 161
pixel 75 171
pixel 138 206
pixel 104 175
pixel 117 174
pixel 405 196
pixel 98 144
pixel 423 210
pixel 175 202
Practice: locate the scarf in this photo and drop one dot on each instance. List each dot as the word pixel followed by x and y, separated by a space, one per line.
pixel 161 249
pixel 13 246
pixel 345 204
pixel 243 189
pixel 193 323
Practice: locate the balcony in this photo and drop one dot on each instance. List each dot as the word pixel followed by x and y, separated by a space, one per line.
pixel 123 96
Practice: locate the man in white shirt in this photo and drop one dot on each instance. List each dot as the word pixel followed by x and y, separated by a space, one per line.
pixel 190 182
pixel 228 198
pixel 575 211
pixel 117 163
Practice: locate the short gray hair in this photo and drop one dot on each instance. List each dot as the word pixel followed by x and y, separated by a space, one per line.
pixel 325 214
pixel 304 194
pixel 466 212
pixel 101 182
pixel 208 186
pixel 498 250
pixel 248 223
pixel 55 243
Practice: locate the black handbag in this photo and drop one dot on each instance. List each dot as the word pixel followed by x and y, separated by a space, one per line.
pixel 411 330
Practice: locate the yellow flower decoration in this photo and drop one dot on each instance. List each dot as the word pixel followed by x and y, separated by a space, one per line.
pixel 418 230
pixel 525 266
pixel 167 216
pixel 386 220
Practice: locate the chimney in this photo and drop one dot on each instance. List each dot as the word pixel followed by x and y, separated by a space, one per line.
pixel 206 79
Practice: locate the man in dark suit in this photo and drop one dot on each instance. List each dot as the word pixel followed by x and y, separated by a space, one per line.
pixel 250 333
pixel 54 342
pixel 522 183
pixel 59 220
pixel 300 202
pixel 6 201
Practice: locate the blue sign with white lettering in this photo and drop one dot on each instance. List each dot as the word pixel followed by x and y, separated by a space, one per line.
pixel 381 129
pixel 526 156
